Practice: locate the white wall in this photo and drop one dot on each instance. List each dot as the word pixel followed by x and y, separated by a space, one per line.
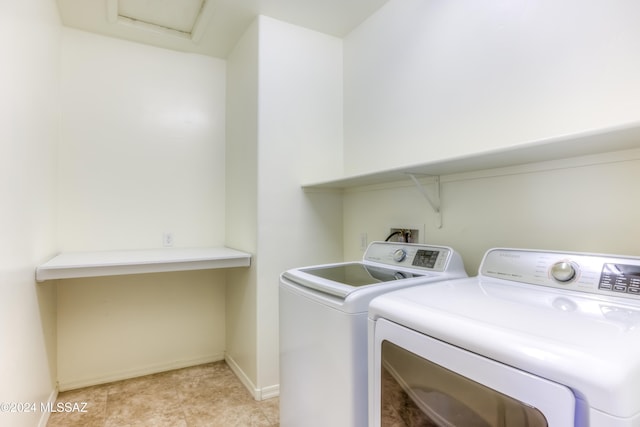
pixel 29 111
pixel 114 328
pixel 242 203
pixel 300 129
pixel 584 204
pixel 434 80
pixel 142 152
pixel 285 97
pixel 426 80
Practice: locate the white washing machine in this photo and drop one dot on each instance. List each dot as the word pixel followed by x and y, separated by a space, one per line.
pixel 537 338
pixel 323 328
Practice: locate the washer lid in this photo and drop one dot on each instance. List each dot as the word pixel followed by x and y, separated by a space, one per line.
pixel 342 279
pixel 357 274
pixel 588 343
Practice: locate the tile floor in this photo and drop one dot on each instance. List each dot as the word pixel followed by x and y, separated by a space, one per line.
pixel 206 395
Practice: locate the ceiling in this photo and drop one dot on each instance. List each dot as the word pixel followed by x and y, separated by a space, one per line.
pixel 208 27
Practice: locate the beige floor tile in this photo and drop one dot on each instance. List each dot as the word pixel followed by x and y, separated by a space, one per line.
pixel 240 415
pixel 206 395
pixel 125 407
pixel 271 409
pixel 93 414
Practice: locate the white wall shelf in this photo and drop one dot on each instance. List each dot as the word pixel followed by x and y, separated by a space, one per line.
pixel 68 265
pixel 616 138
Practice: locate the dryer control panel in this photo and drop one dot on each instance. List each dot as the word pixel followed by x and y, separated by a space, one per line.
pixel 611 275
pixel 618 278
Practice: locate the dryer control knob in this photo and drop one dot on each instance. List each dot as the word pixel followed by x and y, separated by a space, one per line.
pixel 399 255
pixel 563 271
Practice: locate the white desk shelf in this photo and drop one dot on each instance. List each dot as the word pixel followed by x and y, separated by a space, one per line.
pixel 70 265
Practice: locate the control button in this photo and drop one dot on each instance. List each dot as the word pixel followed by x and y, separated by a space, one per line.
pixel 399 255
pixel 563 271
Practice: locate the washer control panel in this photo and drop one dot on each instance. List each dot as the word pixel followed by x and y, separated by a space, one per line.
pixel 409 255
pixel 611 275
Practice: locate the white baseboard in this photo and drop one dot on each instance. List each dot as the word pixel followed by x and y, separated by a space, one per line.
pixel 138 372
pixel 257 393
pixel 44 416
pixel 270 391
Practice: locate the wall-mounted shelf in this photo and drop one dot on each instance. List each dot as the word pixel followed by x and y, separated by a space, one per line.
pixel 70 265
pixel 596 141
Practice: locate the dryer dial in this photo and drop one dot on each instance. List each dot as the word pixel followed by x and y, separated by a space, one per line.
pixel 563 271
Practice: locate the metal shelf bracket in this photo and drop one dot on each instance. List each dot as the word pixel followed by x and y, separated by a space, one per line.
pixel 434 200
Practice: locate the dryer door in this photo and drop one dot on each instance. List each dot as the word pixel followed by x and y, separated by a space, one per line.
pixel 418 380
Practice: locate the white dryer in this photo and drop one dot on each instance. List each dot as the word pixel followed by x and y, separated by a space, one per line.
pixel 323 328
pixel 537 338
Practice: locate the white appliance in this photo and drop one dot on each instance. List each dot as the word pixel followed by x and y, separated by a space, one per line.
pixel 536 339
pixel 323 328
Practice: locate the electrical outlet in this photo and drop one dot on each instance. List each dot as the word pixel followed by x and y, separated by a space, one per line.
pixel 167 240
pixel 406 235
